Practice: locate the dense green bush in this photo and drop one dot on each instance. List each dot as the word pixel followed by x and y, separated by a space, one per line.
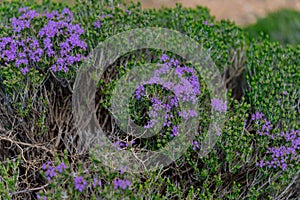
pixel 255 157
pixel 282 26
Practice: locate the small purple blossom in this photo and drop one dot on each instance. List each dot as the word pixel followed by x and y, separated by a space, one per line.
pixel 97 182
pixel 128 12
pixel 122 169
pixel 195 145
pixel 22 9
pixel 219 105
pixel 66 15
pixel 25 70
pixel 257 116
pixel 45 165
pixel 164 58
pixel 38 196
pixel 61 167
pixel 282 155
pixel 175 131
pixel 120 144
pixel 97 24
pixel 79 183
pixel 285 93
pixel 140 92
pixel 50 173
pixel 57 25
pixel 121 184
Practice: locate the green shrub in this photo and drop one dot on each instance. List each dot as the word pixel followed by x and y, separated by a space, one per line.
pixel 282 26
pixel 262 117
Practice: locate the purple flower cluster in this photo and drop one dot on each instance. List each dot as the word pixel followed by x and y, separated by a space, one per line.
pixel 121 184
pixel 38 196
pixel 206 23
pixel 195 145
pixel 23 21
pixel 219 105
pixel 98 23
pixel 52 171
pixel 79 183
pixel 122 169
pixel 25 51
pixel 187 89
pixel 257 116
pixel 284 154
pixel 128 12
pixel 20 51
pixel 121 144
pixel 97 182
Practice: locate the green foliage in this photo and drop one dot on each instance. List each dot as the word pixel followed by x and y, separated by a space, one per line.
pixel 261 76
pixel 9 174
pixel 273 77
pixel 282 26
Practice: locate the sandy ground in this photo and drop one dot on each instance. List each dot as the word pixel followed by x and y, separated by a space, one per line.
pixel 241 11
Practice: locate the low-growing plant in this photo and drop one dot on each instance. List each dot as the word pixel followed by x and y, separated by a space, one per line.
pixel 282 26
pixel 256 155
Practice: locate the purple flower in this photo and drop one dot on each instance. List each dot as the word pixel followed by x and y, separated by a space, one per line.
pixel 18 25
pixel 132 142
pixel 20 61
pixel 283 154
pixel 187 114
pixel 25 70
pixel 139 92
pixel 22 9
pixel 164 58
pixel 219 105
pixel 122 169
pixel 97 24
pixel 119 145
pixel 284 166
pixel 195 145
pixel 66 15
pixel 61 167
pixel 29 15
pixel 38 196
pixel 80 183
pixel 97 182
pixel 53 15
pixel 121 184
pixel 219 133
pixel 257 116
pixel 45 165
pixel 129 13
pixel 50 173
pixel 175 131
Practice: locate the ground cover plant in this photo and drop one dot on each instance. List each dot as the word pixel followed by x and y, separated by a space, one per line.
pixel 282 26
pixel 42 49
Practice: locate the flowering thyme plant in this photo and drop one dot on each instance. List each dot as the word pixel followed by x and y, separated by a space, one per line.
pixel 255 157
pixel 38 39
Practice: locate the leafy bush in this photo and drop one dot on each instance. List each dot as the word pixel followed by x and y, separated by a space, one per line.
pixel 282 26
pixel 256 155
